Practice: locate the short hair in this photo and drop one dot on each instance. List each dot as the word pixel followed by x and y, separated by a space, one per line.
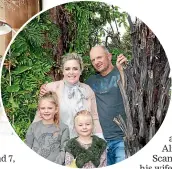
pixel 103 47
pixel 55 101
pixel 72 56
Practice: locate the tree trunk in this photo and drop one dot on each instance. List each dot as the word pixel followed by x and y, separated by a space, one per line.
pixel 146 95
pixel 61 18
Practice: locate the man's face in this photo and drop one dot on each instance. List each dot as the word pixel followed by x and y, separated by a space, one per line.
pixel 100 59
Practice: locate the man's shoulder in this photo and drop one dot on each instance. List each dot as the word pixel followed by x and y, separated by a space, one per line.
pixel 115 71
pixel 91 79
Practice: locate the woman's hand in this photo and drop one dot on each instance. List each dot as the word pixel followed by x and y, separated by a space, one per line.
pixel 43 90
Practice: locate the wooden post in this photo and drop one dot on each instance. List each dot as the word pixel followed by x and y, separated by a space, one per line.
pixel 16 16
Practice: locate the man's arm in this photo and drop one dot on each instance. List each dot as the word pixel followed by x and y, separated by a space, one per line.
pixel 121 61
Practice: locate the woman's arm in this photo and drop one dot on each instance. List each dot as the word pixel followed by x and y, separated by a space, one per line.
pixel 49 87
pixel 94 113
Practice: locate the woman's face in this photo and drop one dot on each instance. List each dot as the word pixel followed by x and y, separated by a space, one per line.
pixel 71 71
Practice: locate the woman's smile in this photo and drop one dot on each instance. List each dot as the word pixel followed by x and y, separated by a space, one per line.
pixel 72 71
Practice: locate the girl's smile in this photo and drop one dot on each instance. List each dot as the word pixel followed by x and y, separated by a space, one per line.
pixel 47 110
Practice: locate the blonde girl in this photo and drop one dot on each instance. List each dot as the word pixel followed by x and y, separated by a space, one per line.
pixel 48 136
pixel 86 150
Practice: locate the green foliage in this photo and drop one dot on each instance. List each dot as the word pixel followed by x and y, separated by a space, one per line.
pixel 88 68
pixel 21 127
pixel 28 62
pixel 116 52
pixel 34 53
pixel 87 26
pixel 126 44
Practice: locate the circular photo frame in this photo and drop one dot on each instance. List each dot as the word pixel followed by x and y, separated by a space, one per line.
pixel 122 80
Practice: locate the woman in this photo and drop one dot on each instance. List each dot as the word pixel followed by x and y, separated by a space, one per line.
pixel 73 95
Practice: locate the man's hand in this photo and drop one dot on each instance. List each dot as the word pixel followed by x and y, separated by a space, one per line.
pixel 121 62
pixel 43 90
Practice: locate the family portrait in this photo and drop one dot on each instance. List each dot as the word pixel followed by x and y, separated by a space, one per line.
pixel 85 84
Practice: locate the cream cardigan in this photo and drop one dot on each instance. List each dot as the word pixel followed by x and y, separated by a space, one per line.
pixel 58 86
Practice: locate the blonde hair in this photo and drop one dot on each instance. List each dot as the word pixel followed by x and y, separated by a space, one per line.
pixel 73 56
pixel 85 113
pixel 54 98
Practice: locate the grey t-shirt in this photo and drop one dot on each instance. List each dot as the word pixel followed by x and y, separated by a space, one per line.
pixel 109 102
pixel 48 140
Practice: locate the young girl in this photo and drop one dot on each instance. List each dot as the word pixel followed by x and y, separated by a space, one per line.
pixel 48 136
pixel 86 150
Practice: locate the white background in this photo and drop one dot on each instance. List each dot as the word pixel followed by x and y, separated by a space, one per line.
pixel 156 14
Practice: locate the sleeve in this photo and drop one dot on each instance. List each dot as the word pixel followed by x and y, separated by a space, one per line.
pixel 103 160
pixel 94 106
pixel 69 158
pixel 94 113
pixel 30 137
pixel 60 159
pixel 52 87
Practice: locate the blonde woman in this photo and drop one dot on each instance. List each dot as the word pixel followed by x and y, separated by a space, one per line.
pixel 73 95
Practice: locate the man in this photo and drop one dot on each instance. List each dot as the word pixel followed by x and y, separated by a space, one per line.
pixel 109 99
